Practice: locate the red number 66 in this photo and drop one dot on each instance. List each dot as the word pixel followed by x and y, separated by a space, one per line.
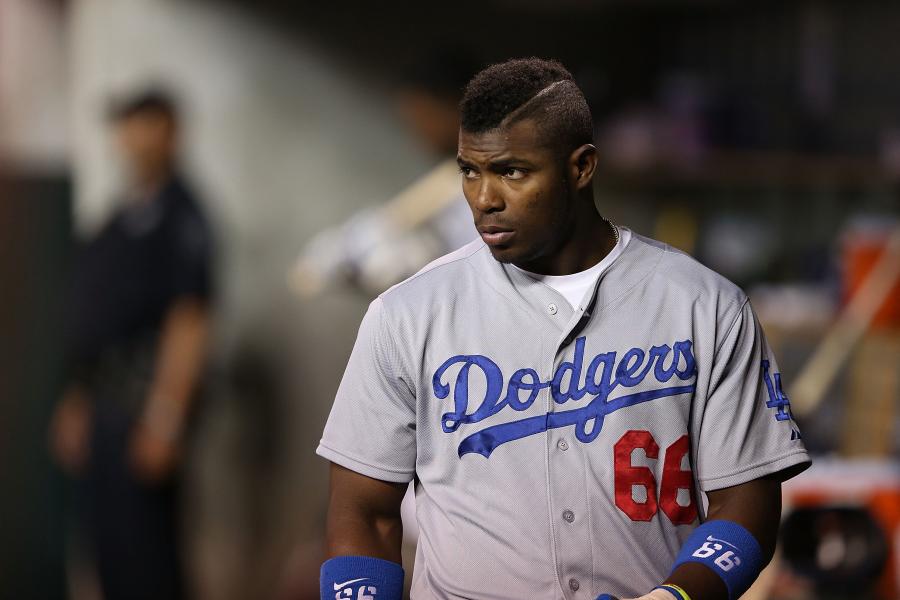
pixel 627 476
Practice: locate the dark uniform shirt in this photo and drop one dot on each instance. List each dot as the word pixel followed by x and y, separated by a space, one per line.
pixel 151 253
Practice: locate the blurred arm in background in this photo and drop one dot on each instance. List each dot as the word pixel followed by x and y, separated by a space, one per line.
pixel 181 356
pixel 155 445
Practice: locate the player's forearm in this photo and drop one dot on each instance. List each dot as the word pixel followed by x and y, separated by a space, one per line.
pixel 758 509
pixel 180 360
pixel 362 548
pixel 755 506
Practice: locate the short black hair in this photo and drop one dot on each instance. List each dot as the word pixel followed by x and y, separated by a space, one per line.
pixel 523 88
pixel 149 100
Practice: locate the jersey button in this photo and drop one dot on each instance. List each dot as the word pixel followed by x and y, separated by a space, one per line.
pixel 568 516
pixel 574 585
pixel 562 445
pixel 551 308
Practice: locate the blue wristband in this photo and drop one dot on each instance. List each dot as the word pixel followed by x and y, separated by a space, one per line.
pixel 729 550
pixel 360 578
pixel 606 597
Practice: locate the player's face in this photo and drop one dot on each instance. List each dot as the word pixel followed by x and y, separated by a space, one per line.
pixel 519 191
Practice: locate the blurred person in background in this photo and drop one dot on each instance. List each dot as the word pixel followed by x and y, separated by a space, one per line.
pixel 138 329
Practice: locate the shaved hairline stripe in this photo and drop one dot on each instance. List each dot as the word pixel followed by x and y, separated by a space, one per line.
pixel 514 115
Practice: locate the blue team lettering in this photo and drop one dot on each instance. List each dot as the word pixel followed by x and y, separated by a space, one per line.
pixel 777 399
pixel 571 382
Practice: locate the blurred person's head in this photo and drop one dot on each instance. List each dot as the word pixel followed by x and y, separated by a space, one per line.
pixel 527 160
pixel 429 94
pixel 146 129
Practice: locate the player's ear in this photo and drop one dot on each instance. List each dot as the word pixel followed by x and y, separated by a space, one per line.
pixel 582 164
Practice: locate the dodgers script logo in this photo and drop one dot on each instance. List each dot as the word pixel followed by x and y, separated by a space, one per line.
pixel 603 376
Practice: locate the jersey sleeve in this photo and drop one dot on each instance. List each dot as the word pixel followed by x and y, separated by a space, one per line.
pixel 746 430
pixel 192 275
pixel 372 425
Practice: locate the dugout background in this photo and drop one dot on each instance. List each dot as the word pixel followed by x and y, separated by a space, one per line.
pixel 763 137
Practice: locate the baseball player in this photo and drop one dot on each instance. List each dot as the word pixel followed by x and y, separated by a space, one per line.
pixel 586 413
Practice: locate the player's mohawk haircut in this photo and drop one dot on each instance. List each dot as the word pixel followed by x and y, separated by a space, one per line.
pixel 518 89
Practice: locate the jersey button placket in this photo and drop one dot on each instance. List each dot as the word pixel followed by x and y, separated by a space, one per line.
pixel 567 484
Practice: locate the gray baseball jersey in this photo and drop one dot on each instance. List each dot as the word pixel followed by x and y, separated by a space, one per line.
pixel 560 452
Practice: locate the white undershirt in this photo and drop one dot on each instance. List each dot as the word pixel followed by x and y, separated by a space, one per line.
pixel 575 287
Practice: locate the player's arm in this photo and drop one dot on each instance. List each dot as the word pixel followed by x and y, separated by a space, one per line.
pixel 362 538
pixel 727 552
pixel 746 422
pixel 755 506
pixel 364 529
pixel 363 516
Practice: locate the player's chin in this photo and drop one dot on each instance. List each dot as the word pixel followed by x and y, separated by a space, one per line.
pixel 505 253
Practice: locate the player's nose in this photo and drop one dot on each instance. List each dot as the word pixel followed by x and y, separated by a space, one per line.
pixel 489 199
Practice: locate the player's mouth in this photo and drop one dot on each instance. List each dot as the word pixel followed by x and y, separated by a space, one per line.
pixel 496 236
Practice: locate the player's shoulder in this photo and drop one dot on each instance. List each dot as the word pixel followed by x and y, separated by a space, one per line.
pixel 686 275
pixel 440 274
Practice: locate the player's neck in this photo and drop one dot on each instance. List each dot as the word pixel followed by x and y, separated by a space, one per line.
pixel 592 238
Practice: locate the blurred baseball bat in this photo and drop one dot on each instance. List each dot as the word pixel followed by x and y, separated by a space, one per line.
pixel 819 372
pixel 322 260
pixel 425 197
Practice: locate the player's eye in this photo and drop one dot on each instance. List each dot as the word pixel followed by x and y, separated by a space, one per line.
pixel 513 173
pixel 468 172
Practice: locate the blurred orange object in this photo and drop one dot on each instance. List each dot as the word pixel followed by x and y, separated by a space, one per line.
pixel 873 485
pixel 861 250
